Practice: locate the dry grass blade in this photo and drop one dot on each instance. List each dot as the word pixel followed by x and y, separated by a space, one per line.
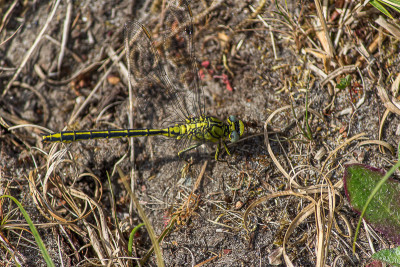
pixel 200 177
pixel 242 24
pixel 338 72
pixel 18 256
pixel 80 205
pixel 165 232
pixel 33 47
pixel 299 218
pixel 349 227
pixel 380 143
pixel 396 86
pixel 38 199
pixel 320 235
pixel 88 99
pixel 266 140
pixel 142 215
pixel 75 76
pixel 266 25
pixel 393 104
pixel 323 233
pixel 265 198
pixel 11 36
pixel 65 34
pixel 95 241
pixel 392 28
pixel 348 141
pixel 6 17
pixel 325 38
pixel 267 143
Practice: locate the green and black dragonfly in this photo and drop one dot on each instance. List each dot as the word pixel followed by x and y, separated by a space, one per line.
pixel 167 72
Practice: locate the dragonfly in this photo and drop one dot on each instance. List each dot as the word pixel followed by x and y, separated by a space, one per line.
pixel 166 77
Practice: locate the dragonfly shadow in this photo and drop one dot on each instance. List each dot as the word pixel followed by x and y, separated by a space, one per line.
pixel 172 164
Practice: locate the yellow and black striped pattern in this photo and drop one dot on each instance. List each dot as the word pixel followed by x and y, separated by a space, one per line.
pixel 72 136
pixel 202 129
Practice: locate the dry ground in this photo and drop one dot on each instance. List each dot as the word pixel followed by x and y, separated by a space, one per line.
pixel 281 190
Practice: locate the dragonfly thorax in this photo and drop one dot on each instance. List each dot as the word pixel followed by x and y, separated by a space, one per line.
pixel 208 128
pixel 204 128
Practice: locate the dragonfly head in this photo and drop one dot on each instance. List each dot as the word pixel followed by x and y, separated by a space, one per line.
pixel 236 128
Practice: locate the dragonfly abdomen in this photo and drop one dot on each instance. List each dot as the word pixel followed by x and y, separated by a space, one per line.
pixel 72 136
pixel 197 128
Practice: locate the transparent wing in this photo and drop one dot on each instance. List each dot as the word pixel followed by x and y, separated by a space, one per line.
pixel 178 46
pixel 148 76
pixel 165 73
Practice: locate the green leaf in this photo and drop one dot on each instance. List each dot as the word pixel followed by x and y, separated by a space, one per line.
pixel 391 256
pixel 381 8
pixel 344 82
pixel 131 237
pixel 392 3
pixel 383 209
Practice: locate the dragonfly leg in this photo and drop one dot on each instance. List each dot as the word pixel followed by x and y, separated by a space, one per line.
pixel 219 149
pixel 217 152
pixel 226 148
pixel 187 149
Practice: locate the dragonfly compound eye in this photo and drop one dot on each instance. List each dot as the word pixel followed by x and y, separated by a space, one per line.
pixel 234 136
pixel 232 118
